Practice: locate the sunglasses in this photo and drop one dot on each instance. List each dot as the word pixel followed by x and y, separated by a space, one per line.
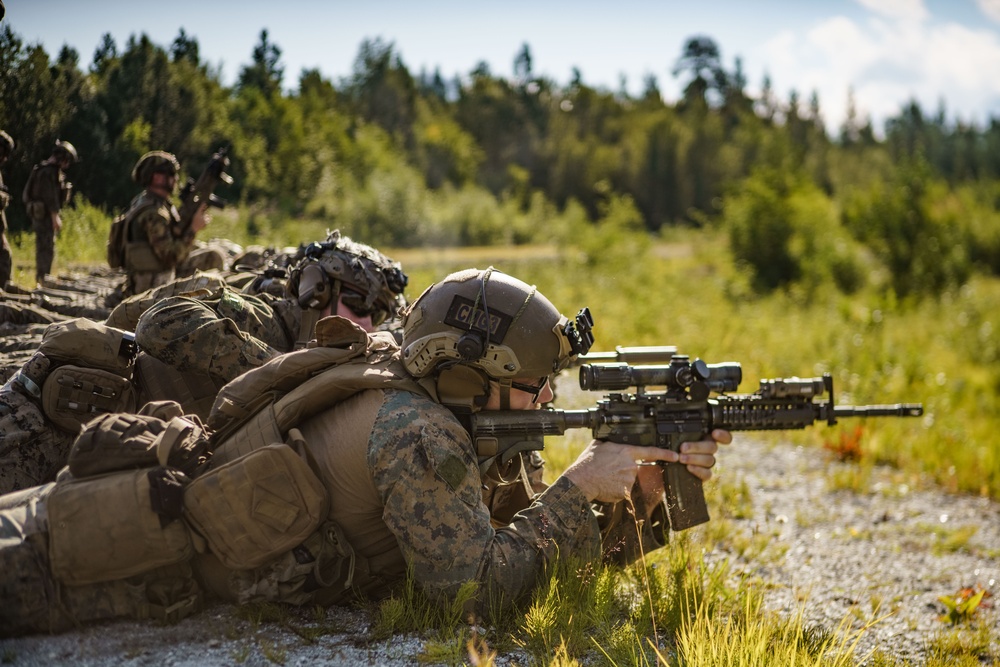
pixel 534 390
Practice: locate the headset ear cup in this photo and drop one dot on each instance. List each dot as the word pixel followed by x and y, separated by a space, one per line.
pixel 470 346
pixel 314 290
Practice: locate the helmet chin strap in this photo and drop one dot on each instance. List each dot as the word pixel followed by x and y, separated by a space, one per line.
pixel 504 393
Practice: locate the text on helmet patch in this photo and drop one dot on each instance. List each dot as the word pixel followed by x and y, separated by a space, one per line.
pixel 464 314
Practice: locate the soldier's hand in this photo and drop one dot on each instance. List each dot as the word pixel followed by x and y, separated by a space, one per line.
pixel 200 219
pixel 699 456
pixel 56 223
pixel 606 471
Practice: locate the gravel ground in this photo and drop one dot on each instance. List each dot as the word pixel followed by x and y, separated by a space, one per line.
pixel 833 554
pixel 883 554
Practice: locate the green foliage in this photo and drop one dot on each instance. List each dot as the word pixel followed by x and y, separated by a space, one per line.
pixel 923 248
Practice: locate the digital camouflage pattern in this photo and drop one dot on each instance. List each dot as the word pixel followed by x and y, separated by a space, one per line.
pixel 43 196
pixel 156 243
pixel 32 448
pixel 222 335
pixel 405 490
pixel 6 259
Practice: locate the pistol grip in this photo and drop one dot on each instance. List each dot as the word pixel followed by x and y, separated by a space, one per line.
pixel 686 505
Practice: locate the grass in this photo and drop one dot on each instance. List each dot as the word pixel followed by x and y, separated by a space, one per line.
pixel 674 609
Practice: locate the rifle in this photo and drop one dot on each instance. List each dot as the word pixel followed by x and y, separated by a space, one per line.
pixel 682 412
pixel 201 191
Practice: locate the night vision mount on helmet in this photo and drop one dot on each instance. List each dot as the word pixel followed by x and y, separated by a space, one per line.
pixel 368 282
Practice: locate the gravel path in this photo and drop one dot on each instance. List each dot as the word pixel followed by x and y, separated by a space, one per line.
pixel 889 554
pixel 832 554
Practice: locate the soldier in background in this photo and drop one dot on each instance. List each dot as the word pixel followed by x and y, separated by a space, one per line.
pixel 45 193
pixel 157 239
pixel 6 259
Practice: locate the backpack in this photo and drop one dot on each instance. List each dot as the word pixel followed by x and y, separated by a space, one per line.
pixel 90 372
pixel 116 242
pixel 261 406
pixel 118 234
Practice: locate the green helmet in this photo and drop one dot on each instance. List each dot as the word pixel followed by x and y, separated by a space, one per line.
pixel 368 282
pixel 445 330
pixel 6 143
pixel 154 162
pixel 64 149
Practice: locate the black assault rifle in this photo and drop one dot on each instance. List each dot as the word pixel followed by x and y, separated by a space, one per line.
pixel 682 412
pixel 202 191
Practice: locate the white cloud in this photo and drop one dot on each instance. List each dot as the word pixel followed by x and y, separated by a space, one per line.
pixel 991 8
pixel 887 63
pixel 905 10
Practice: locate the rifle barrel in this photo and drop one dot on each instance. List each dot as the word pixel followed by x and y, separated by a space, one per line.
pixel 895 410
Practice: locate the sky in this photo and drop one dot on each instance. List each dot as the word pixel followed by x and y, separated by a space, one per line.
pixel 887 52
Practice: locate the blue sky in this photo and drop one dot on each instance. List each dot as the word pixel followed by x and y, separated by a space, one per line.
pixel 887 51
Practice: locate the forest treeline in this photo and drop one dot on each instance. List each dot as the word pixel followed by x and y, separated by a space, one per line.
pixel 406 159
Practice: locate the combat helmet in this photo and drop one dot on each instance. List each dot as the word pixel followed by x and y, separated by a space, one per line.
pixel 480 325
pixel 154 162
pixel 368 282
pixel 64 149
pixel 6 143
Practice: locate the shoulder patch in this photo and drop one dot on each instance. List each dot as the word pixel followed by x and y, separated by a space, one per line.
pixel 452 470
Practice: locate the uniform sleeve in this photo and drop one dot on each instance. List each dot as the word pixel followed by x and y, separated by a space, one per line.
pixel 168 248
pixel 430 487
pixel 190 336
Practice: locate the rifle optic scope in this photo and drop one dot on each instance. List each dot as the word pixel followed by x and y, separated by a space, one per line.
pixel 679 374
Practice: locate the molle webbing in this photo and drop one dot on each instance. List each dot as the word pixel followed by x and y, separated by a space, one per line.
pixel 72 396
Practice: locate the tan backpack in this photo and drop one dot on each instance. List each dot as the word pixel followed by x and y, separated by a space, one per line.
pixel 91 372
pixel 260 407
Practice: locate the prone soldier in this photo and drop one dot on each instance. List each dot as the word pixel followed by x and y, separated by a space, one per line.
pixel 380 477
pixel 187 348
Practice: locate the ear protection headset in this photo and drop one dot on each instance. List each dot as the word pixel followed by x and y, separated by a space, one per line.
pixel 313 288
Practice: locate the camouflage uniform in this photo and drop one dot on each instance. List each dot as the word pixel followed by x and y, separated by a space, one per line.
pixel 221 335
pixel 32 449
pixel 6 259
pixel 156 242
pixel 44 195
pixel 406 492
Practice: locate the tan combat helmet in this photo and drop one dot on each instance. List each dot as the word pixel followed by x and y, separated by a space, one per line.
pixel 445 336
pixel 154 162
pixel 6 144
pixel 64 149
pixel 368 282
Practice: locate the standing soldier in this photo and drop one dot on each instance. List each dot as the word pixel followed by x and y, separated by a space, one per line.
pixel 6 261
pixel 45 193
pixel 156 237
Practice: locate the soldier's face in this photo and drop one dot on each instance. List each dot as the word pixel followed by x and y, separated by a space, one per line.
pixel 363 321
